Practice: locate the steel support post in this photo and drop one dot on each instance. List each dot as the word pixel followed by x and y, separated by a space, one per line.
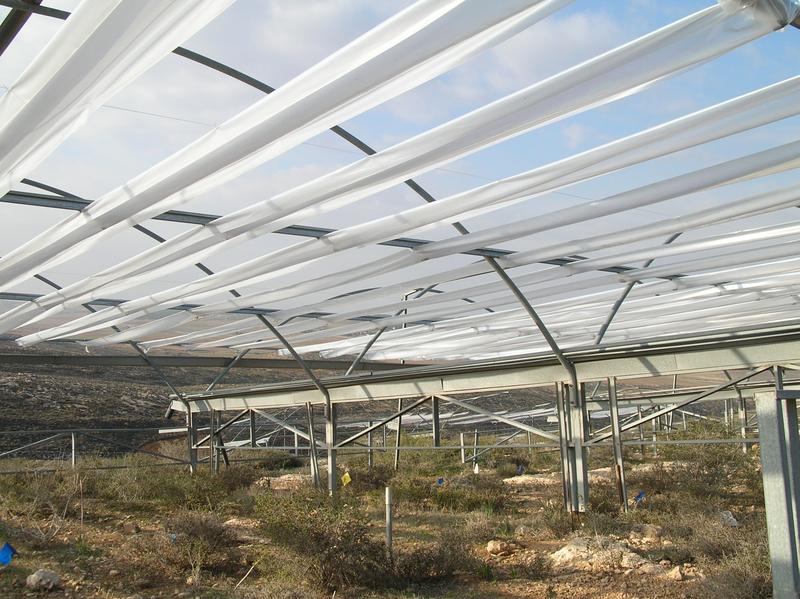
pixel 369 446
pixel 296 444
pixel 312 447
pixel 654 426
pixel 563 443
pixel 330 425
pixel 191 439
pixel 475 448
pixel 397 438
pixel 780 461
pixel 437 433
pixel 743 421
pixel 330 442
pixel 73 451
pixel 212 442
pixel 641 431
pixel 463 448
pixel 576 449
pixel 252 417
pixel 619 465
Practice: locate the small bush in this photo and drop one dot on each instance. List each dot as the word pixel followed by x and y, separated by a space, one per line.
pixel 556 519
pixel 506 469
pixel 334 539
pixel 364 479
pixel 460 493
pixel 450 554
pixel 200 542
pixel 743 575
pixel 278 460
pixel 333 536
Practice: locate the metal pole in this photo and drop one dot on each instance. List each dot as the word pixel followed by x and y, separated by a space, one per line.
pixel 563 443
pixel 437 439
pixel 463 448
pixel 641 431
pixel 74 452
pixel 214 459
pixel 743 420
pixel 227 369
pixel 397 439
pixel 654 426
pixel 296 444
pixel 369 447
pixel 252 428
pixel 530 449
pixel 330 441
pixel 619 465
pixel 475 449
pixel 312 451
pixel 625 292
pixel 191 438
pixel 389 519
pixel 576 449
pixel 780 460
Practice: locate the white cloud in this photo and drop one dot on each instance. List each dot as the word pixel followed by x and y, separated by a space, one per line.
pixel 575 134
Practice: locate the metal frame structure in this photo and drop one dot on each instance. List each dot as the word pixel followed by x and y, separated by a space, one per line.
pixel 748 350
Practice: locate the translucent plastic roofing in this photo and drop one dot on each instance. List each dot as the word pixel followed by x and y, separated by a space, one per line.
pixel 633 170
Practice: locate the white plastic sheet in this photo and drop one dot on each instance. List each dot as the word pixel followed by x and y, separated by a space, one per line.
pixel 101 48
pixel 622 71
pixel 509 330
pixel 416 45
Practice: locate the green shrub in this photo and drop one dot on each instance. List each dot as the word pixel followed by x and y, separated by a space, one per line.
pixel 333 536
pixel 278 460
pixel 464 493
pixel 506 469
pixel 556 519
pixel 200 542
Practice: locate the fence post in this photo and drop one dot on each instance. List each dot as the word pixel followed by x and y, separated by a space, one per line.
pixel 397 439
pixel 369 446
pixel 252 428
pixel 463 449
pixel 74 452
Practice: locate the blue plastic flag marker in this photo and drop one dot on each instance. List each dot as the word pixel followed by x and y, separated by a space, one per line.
pixel 440 481
pixel 640 497
pixel 7 553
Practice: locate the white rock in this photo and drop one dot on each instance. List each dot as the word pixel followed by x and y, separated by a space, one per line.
pixel 652 569
pixel 43 580
pixel 652 532
pixel 632 560
pixel 675 574
pixel 728 519
pixel 496 547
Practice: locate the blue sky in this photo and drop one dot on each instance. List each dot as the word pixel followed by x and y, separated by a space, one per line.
pixel 274 40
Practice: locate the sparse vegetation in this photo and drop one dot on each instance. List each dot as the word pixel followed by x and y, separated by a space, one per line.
pixel 303 545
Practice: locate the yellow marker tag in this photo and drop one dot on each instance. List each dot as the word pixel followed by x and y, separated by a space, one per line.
pixel 346 479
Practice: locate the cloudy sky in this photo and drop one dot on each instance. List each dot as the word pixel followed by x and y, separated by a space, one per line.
pixel 275 40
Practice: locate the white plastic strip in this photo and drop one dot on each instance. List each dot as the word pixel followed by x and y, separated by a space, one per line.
pixel 416 45
pixel 750 110
pixel 99 50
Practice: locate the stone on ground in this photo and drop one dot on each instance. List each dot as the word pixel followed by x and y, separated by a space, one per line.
pixel 728 519
pixel 497 547
pixel 43 580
